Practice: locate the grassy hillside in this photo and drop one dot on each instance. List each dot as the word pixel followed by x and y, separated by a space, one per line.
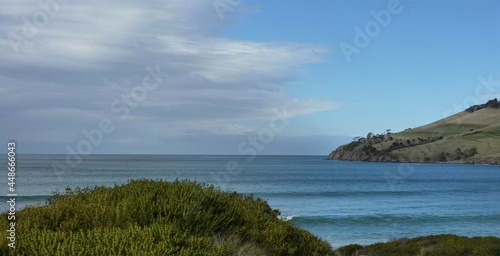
pixel 472 136
pixel 147 217
pixel 442 245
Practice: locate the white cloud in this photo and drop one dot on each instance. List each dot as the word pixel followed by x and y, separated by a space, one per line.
pixel 92 52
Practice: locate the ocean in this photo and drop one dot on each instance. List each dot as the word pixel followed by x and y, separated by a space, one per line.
pixel 340 202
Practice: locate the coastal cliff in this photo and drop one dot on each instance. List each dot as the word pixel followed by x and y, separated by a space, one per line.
pixel 471 136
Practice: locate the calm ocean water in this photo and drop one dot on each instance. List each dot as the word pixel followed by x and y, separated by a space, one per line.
pixel 341 202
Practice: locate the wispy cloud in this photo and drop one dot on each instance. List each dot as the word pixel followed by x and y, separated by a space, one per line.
pixel 65 77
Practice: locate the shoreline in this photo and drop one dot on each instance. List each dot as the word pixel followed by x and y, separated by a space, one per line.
pixel 411 162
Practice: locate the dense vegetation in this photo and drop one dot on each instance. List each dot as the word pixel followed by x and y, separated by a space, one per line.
pixel 441 245
pixel 146 217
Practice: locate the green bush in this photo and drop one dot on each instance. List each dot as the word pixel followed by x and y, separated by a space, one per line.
pixel 146 217
pixel 349 250
pixel 440 245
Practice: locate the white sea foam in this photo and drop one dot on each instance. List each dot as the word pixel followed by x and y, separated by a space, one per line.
pixel 289 218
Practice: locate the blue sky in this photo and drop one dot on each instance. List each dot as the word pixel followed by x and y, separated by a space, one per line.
pixel 259 77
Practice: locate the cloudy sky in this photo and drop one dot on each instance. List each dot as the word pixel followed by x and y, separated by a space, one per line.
pixel 236 76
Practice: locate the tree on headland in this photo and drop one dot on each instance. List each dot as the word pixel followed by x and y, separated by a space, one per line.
pixel 458 154
pixel 494 103
pixel 358 138
pixel 369 135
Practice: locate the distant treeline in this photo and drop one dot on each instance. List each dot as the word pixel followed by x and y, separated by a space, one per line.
pixel 490 104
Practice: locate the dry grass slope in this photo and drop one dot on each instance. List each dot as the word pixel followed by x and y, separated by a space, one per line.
pixel 480 129
pixel 471 136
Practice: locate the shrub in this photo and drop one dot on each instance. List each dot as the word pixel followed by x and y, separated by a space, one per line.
pixel 146 217
pixel 440 245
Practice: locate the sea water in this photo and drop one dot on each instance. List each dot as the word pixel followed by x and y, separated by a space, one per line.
pixel 340 202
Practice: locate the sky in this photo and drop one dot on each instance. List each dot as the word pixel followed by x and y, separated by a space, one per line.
pixel 244 77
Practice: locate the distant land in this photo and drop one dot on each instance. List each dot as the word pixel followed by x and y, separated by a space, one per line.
pixel 471 136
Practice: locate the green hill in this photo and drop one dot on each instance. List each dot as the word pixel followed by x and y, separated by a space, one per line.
pixel 471 136
pixel 146 217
